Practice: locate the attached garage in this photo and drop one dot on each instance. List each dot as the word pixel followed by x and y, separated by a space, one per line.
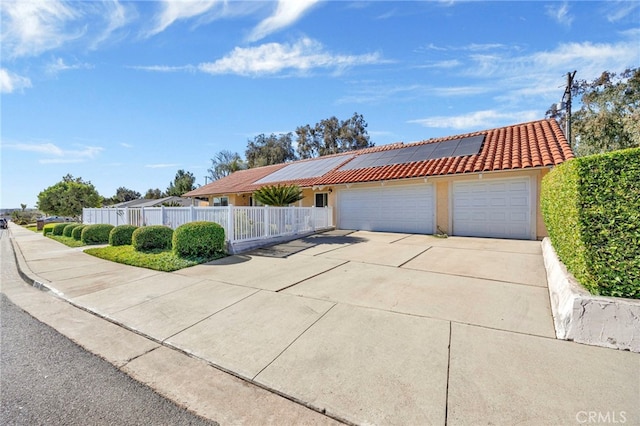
pixel 499 208
pixel 407 209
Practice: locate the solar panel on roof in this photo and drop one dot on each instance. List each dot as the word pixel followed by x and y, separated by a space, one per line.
pixel 305 169
pixel 429 151
pixel 469 146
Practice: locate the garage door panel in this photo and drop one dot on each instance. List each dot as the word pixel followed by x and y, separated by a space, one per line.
pixel 392 209
pixel 500 209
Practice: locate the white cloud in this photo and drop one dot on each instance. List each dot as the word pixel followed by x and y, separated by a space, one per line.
pixel 10 82
pixel 618 10
pixel 31 27
pixel 272 58
pixel 59 155
pixel 287 12
pixel 116 16
pixel 173 11
pixel 446 64
pixel 163 68
pixel 560 13
pixel 59 65
pixel 126 145
pixel 477 120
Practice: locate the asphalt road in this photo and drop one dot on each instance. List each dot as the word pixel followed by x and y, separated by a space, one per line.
pixel 46 379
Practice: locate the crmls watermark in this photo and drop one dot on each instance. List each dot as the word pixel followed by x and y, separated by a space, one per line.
pixel 601 417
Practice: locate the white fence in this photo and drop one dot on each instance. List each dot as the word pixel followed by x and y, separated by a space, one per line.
pixel 240 223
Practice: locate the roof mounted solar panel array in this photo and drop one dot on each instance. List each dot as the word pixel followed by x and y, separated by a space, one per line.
pixel 305 169
pixel 430 151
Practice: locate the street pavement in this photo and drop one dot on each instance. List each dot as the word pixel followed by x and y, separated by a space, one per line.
pixel 362 328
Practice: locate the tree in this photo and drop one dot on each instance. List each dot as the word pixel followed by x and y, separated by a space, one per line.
pixel 182 183
pixel 278 195
pixel 332 136
pixel 124 194
pixel 153 194
pixel 68 197
pixel 609 117
pixel 224 163
pixel 23 206
pixel 266 150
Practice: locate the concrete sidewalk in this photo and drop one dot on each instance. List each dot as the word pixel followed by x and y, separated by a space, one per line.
pixel 367 328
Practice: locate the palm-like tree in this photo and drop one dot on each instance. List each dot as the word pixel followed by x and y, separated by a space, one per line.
pixel 278 195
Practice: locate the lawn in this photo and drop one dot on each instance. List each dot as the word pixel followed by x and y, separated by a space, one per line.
pixel 67 241
pixel 159 260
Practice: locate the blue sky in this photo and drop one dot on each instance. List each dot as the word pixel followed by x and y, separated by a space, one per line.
pixel 127 93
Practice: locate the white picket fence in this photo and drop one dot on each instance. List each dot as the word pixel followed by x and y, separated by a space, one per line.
pixel 241 224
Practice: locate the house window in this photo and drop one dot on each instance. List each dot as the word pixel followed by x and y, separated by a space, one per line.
pixel 220 201
pixel 322 199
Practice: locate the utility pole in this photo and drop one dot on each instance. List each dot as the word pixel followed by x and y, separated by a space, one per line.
pixel 566 99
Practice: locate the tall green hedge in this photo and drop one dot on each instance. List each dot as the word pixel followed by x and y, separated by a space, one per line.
pixel 58 229
pixel 154 237
pixel 199 239
pixel 66 232
pixel 122 235
pixel 96 234
pixel 591 208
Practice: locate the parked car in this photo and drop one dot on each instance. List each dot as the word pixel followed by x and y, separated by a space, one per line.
pixel 55 219
pixel 3 223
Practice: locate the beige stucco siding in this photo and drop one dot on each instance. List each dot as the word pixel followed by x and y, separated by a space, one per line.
pixel 443 194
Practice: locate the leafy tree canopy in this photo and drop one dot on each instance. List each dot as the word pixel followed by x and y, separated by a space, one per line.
pixel 267 150
pixel 278 195
pixel 68 197
pixel 123 194
pixel 333 136
pixel 153 194
pixel 224 163
pixel 609 117
pixel 182 183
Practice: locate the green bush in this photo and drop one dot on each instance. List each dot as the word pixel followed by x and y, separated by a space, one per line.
pixel 121 235
pixel 76 233
pixel 591 208
pixel 58 229
pixel 66 232
pixel 152 238
pixel 96 234
pixel 48 229
pixel 199 239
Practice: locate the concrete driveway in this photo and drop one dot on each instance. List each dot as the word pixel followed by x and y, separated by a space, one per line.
pixel 369 328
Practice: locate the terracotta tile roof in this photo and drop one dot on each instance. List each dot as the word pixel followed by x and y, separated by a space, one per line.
pixel 521 146
pixel 236 182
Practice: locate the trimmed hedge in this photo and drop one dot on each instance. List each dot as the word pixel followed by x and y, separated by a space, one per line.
pixel 152 237
pixel 58 229
pixel 96 234
pixel 121 235
pixel 48 229
pixel 199 239
pixel 76 233
pixel 591 208
pixel 66 232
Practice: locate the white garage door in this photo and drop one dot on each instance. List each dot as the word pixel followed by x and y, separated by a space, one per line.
pixel 493 208
pixel 392 209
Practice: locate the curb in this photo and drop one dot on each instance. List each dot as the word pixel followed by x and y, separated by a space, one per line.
pixel 609 322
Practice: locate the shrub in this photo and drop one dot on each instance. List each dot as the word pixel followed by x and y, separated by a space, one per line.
pixel 152 237
pixel 76 233
pixel 48 229
pixel 96 234
pixel 121 235
pixel 66 232
pixel 58 229
pixel 199 239
pixel 591 207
